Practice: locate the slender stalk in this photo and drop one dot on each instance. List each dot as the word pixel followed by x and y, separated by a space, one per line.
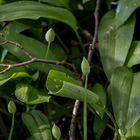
pixel 48 48
pixel 85 110
pixel 12 127
pixel 46 53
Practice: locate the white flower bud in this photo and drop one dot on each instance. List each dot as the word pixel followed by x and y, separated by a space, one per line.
pixel 11 107
pixel 50 35
pixel 56 132
pixel 85 67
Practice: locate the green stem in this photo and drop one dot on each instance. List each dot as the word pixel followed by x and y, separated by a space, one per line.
pixel 12 127
pixel 85 110
pixel 48 48
pixel 46 54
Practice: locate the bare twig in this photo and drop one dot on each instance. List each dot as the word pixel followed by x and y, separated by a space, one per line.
pixel 72 134
pixel 18 46
pixel 93 45
pixel 32 59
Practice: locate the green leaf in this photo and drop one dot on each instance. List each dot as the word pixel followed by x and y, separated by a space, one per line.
pixel 38 125
pixel 134 54
pixel 35 10
pixel 100 91
pixel 58 52
pixel 9 76
pixel 61 85
pixel 125 9
pixel 125 97
pixel 62 3
pixel 30 95
pixel 55 80
pixel 17 27
pixel 114 43
pixel 134 132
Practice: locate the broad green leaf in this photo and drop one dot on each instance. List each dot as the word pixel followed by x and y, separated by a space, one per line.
pixel 60 3
pixel 134 132
pixel 60 55
pixel 134 54
pixel 100 91
pixel 114 43
pixel 73 91
pixel 55 80
pixel 60 85
pixel 35 10
pixel 9 76
pixel 17 27
pixel 124 10
pixel 21 25
pixel 30 95
pixel 125 97
pixel 38 125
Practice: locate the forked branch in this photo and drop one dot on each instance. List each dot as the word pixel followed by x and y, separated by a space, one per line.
pixel 32 59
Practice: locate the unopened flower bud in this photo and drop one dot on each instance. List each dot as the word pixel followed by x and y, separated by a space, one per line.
pixel 85 67
pixel 56 132
pixel 11 107
pixel 50 35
